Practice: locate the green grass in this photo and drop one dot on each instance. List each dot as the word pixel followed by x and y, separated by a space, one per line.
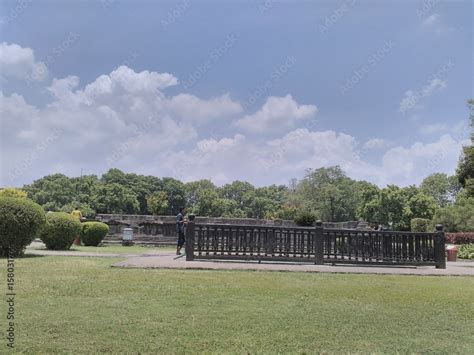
pixel 82 305
pixel 112 249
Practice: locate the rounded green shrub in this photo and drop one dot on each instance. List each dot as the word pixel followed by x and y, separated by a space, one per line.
pixel 419 225
pixel 21 221
pixel 60 231
pixel 305 219
pixel 93 233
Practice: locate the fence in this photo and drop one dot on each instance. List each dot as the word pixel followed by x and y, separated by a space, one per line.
pixel 314 244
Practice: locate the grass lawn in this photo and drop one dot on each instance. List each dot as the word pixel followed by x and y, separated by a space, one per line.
pixel 112 249
pixel 82 305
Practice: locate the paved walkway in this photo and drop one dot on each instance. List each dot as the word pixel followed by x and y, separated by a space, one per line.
pixel 460 268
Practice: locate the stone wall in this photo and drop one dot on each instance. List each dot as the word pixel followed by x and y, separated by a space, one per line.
pixel 165 226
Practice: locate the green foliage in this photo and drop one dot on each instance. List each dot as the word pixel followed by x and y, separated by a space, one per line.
pixel 287 212
pixel 305 219
pixel 92 233
pixel 21 221
pixel 12 192
pixel 465 170
pixel 60 231
pixel 419 224
pixel 396 206
pixel 115 198
pixel 458 217
pixel 466 251
pixel 442 188
pixel 157 203
pixel 86 210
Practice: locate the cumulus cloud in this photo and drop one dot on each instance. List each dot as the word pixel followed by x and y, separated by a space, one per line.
pixel 126 119
pixel 19 63
pixel 278 114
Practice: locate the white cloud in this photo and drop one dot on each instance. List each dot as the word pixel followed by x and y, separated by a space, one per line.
pixel 430 20
pixel 375 143
pixel 19 63
pixel 278 114
pixel 126 120
pixel 433 23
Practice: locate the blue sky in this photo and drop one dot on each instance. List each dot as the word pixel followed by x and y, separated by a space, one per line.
pixel 258 91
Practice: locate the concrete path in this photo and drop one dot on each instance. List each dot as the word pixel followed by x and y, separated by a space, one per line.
pixel 460 268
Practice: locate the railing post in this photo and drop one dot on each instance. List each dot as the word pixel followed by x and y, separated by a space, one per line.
pixel 190 228
pixel 439 247
pixel 318 243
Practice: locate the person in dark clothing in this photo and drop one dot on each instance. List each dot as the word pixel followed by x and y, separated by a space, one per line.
pixel 180 223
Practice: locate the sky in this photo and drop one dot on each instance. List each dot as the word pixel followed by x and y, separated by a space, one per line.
pixel 234 90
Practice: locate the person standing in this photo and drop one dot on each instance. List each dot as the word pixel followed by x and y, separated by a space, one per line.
pixel 78 214
pixel 180 223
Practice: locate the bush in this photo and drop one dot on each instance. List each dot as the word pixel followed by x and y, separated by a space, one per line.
pixel 12 192
pixel 466 251
pixel 21 221
pixel 419 224
pixel 92 233
pixel 60 231
pixel 460 238
pixel 305 219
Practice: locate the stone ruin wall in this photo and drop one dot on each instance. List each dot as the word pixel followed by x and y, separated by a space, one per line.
pixel 166 225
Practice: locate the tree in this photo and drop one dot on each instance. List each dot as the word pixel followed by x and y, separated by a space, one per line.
pixel 192 190
pixel 329 193
pixel 115 198
pixel 465 170
pixel 397 206
pixel 458 217
pixel 52 191
pixel 157 202
pixel 236 191
pixel 176 192
pixel 442 188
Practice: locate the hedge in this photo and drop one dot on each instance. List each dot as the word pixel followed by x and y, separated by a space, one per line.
pixel 419 224
pixel 93 233
pixel 60 231
pixel 21 221
pixel 460 238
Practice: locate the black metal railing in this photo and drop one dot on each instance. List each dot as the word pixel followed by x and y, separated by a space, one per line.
pixel 313 244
